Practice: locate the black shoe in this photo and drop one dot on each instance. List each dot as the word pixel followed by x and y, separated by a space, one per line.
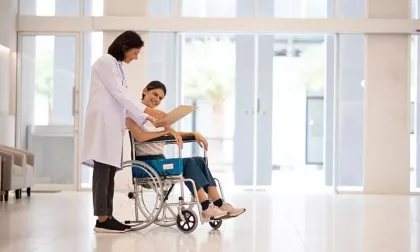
pixel 108 226
pixel 127 227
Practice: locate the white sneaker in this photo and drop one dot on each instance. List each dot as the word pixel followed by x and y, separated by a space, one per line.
pixel 213 212
pixel 233 212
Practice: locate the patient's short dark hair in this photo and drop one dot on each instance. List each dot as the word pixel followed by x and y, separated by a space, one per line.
pixel 123 43
pixel 155 85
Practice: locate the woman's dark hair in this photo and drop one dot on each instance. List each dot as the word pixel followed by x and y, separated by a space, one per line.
pixel 124 43
pixel 155 85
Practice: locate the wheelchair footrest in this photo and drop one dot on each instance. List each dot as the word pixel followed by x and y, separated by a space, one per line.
pixel 133 222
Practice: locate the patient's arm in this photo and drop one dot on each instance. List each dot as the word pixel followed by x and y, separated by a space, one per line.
pixel 198 137
pixel 140 135
pixel 182 134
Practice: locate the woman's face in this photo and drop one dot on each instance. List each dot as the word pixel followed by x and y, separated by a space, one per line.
pixel 153 97
pixel 132 54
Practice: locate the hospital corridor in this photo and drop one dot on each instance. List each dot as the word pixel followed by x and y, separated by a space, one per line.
pixel 209 125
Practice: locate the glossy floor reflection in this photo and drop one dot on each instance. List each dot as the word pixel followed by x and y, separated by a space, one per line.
pixel 273 222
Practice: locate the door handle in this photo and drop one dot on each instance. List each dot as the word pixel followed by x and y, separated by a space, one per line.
pixel 73 101
pixel 75 110
pixel 258 106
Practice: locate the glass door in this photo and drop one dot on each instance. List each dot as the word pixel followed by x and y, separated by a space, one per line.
pixel 48 111
pixel 217 75
pixel 292 78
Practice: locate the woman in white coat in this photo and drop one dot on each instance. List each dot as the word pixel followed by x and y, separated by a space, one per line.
pixel 108 106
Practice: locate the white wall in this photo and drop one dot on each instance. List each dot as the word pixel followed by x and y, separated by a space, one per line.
pixel 8 12
pixel 8 46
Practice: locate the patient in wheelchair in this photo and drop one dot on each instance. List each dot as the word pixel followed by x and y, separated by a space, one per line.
pixel 194 168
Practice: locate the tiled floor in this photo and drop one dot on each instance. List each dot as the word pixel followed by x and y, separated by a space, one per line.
pixel 273 222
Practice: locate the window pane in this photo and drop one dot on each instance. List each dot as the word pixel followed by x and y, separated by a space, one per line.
pixel 293 8
pixel 414 9
pixel 94 7
pixel 351 8
pixel 50 7
pixel 162 66
pixel 349 172
pixel 161 8
pixel 314 130
pixel 314 8
pixel 47 122
pixel 209 84
pixel 298 83
pixel 92 50
pixel 217 8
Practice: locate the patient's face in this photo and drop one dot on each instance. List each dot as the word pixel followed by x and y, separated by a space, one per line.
pixel 152 98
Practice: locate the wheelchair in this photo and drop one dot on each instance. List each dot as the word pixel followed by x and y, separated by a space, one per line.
pixel 159 177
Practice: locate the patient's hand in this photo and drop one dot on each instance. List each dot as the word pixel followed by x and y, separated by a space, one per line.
pixel 178 139
pixel 169 128
pixel 201 141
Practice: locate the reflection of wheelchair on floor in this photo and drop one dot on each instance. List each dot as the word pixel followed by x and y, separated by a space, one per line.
pixel 153 182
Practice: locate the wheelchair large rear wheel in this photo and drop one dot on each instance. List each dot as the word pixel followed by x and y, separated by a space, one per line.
pixel 148 188
pixel 168 214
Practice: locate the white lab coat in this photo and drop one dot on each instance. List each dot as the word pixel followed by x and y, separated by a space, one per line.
pixel 108 105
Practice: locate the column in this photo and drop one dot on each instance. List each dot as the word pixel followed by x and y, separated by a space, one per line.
pixel 28 54
pixel 4 79
pixel 8 11
pixel 136 72
pixel 417 104
pixel 7 122
pixel 387 103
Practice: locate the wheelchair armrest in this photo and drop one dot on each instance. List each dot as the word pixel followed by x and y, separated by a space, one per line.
pixel 170 139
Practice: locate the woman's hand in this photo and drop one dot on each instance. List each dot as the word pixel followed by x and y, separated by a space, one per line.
pixel 156 113
pixel 154 122
pixel 201 141
pixel 151 119
pixel 178 139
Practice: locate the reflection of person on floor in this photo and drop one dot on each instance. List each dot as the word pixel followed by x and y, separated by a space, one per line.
pixel 194 168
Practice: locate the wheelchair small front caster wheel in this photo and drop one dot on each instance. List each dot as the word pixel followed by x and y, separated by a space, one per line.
pixel 190 223
pixel 215 224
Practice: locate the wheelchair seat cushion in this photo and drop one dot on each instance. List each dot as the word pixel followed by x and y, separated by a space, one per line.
pixel 163 167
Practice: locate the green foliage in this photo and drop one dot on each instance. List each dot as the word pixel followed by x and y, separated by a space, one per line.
pixel 44 75
pixel 313 68
pixel 209 70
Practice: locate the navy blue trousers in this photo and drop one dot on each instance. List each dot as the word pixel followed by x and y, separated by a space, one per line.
pixel 194 168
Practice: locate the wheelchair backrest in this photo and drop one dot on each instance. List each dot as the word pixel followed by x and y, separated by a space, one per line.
pixel 132 144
